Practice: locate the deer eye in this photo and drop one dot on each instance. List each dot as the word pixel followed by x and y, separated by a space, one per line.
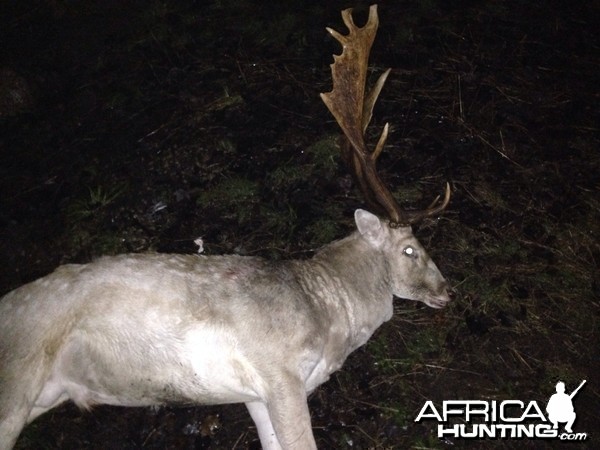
pixel 410 252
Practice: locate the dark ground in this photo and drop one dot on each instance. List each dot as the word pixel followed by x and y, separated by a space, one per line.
pixel 135 126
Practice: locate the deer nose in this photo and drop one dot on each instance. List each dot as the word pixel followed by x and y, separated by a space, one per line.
pixel 444 292
pixel 448 292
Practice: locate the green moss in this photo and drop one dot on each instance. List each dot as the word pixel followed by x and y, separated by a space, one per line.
pixel 232 197
pixel 325 155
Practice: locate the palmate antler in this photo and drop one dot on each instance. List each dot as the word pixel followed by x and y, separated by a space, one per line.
pixel 353 111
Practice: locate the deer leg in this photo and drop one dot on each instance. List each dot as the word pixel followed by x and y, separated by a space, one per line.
pixel 15 407
pixel 11 424
pixel 21 383
pixel 260 415
pixel 289 414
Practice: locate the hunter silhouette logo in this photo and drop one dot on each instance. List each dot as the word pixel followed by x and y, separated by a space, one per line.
pixel 560 407
pixel 505 419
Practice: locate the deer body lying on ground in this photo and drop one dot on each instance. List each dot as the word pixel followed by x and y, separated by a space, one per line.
pixel 147 329
pixel 137 330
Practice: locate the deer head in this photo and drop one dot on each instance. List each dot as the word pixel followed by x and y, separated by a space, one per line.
pixel 353 109
pixel 414 275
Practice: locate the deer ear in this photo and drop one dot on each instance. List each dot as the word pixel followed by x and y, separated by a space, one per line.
pixel 370 227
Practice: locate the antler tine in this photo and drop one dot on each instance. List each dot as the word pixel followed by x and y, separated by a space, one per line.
pixel 353 111
pixel 432 210
pixel 372 99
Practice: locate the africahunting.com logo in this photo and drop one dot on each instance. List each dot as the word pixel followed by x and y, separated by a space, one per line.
pixel 507 419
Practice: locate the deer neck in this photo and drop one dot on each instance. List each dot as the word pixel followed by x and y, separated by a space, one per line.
pixel 351 281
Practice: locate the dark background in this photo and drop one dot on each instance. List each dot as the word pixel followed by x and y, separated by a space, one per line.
pixel 140 126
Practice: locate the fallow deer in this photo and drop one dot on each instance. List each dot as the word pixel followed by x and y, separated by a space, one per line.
pixel 151 329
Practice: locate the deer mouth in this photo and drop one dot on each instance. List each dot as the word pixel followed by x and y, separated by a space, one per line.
pixel 437 302
pixel 433 301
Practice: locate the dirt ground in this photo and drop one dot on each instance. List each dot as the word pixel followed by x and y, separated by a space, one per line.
pixel 140 126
